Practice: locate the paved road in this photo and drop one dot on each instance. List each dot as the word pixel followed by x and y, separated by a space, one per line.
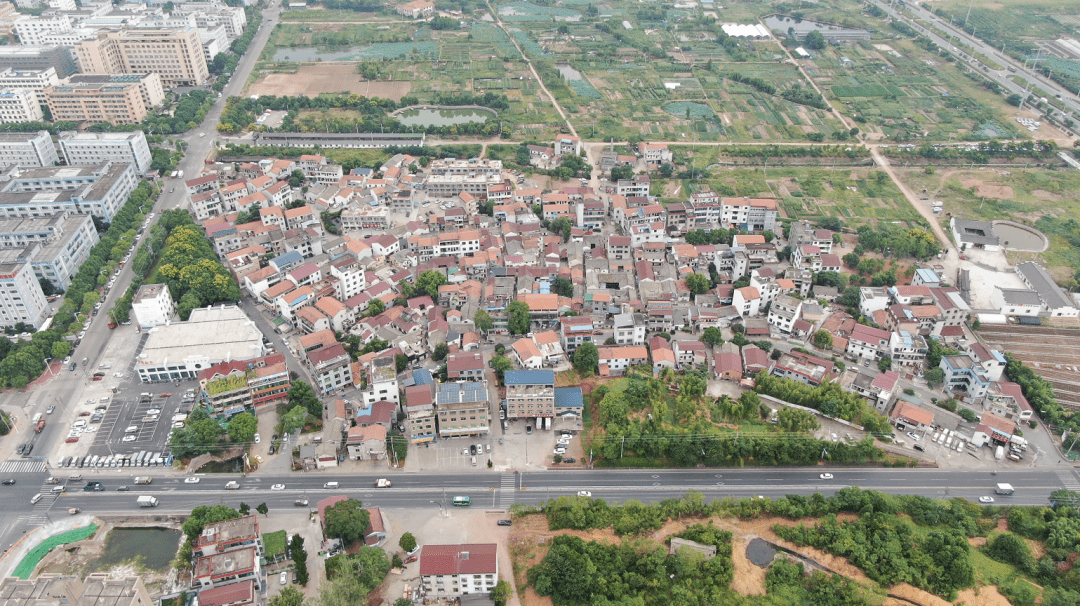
pixel 944 29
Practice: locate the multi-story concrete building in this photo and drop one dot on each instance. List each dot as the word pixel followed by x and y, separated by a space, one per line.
pixel 749 214
pixel 30 29
pixel 462 409
pixel 21 297
pixel 466 168
pixel 456 570
pixel 209 15
pixel 330 366
pixel 97 190
pixel 38 58
pixel 630 329
pixel 97 588
pixel 175 55
pixel 27 149
pixel 55 245
pixel 210 336
pixel 32 80
pixel 118 99
pixel 449 185
pixel 95 148
pixel 962 374
pixel 153 305
pixel 19 105
pixel 228 567
pixel 803 368
pixel 784 312
pixel 382 381
pixel 529 393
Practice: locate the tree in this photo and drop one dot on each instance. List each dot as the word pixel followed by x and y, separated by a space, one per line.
pixel 440 352
pixel 1014 99
pixel 347 520
pixel 244 509
pixel 301 394
pixel 884 364
pixel 814 40
pixel 697 284
pixel 299 558
pixel 501 364
pixel 520 319
pixel 376 307
pixel 501 593
pixel 407 542
pixel 563 227
pixel 429 282
pixel 562 287
pixel 483 320
pixel 294 420
pixel 619 173
pixel 935 376
pixel 667 169
pixel 822 339
pixel 586 359
pixel 296 178
pixel 712 336
pixel 289 596
pixel 242 428
pixel 262 508
pixel 61 349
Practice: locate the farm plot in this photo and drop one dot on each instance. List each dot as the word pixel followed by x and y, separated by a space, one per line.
pixel 313 80
pixel 1053 353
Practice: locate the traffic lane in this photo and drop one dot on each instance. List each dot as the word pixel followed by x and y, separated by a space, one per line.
pixel 293 483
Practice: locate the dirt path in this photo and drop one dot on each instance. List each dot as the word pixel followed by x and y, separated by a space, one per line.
pixel 913 199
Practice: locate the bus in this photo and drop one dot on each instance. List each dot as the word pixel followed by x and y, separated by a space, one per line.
pixel 462 501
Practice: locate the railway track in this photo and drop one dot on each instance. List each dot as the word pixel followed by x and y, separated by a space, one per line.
pixel 1053 353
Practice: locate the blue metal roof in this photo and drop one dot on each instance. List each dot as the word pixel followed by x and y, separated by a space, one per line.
pixel 290 257
pixel 568 397
pixel 529 377
pixel 422 377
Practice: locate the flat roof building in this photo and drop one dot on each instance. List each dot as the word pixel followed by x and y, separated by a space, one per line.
pixel 210 336
pixel 27 149
pixel 38 58
pixel 117 99
pixel 98 190
pixel 95 148
pixel 153 305
pixel 55 245
pixel 96 590
pixel 19 105
pixel 176 55
pixel 21 297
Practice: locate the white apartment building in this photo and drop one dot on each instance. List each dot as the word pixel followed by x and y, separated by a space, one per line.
pixel 783 313
pixel 466 168
pixel 55 245
pixel 21 297
pixel 31 29
pixel 630 329
pixel 27 149
pixel 153 305
pixel 95 148
pixel 35 80
pixel 209 15
pixel 351 278
pixel 382 382
pixel 18 105
pixel 455 570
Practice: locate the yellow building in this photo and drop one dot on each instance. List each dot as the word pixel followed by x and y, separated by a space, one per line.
pixel 175 55
pixel 119 99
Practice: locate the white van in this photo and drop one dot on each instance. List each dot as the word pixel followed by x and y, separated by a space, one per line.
pixel 35 499
pixel 330 485
pixel 75 477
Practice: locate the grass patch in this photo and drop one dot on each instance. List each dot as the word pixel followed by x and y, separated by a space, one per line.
pixel 274 543
pixel 29 563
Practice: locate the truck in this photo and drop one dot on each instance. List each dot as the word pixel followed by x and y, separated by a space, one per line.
pixel 382 483
pixel 39 426
pixel 143 480
pixel 999 454
pixel 148 502
pixel 1004 489
pixel 179 174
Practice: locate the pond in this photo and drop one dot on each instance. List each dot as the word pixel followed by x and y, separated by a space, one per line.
pixel 568 72
pixel 152 548
pixel 782 23
pixel 233 465
pixel 440 116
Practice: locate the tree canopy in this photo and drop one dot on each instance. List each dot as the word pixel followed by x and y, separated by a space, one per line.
pixel 347 520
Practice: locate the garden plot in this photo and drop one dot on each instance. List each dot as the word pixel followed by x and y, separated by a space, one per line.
pixel 313 80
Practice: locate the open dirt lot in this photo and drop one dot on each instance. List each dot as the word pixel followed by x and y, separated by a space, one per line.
pixel 313 80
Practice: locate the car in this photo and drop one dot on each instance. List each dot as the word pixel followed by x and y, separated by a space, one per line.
pixel 91 401
pixel 560 451
pixel 919 448
pixel 913 436
pixel 8 482
pixel 93 487
pixel 191 480
pixel 284 577
pixel 21 449
pixel 465 451
pixel 505 522
pixel 272 450
pixel 103 400
pixel 986 499
pixel 826 476
pixel 131 429
pixel 257 439
pixel 569 460
pixel 153 411
pixel 129 439
pixel 584 493
pixel 178 425
pixel 72 438
pixel 472 449
pixel 123 488
pixel 29 447
pixel 277 487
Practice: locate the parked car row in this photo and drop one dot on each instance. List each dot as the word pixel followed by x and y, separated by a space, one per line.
pixel 143 458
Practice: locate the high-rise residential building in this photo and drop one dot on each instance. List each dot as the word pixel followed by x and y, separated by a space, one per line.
pixel 55 245
pixel 30 29
pixel 27 149
pixel 119 99
pixel 33 80
pixel 19 105
pixel 95 148
pixel 40 58
pixel 209 15
pixel 174 54
pixel 21 297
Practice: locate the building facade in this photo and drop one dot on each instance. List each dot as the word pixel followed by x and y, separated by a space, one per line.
pixel 95 148
pixel 176 56
pixel 27 149
pixel 119 99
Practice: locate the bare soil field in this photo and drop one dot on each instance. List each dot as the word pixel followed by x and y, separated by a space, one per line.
pixel 313 80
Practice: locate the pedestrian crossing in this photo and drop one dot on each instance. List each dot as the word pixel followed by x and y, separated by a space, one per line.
pixel 22 466
pixel 1068 479
pixel 507 490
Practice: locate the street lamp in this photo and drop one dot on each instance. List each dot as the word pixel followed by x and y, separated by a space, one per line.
pixel 442 508
pixel 48 366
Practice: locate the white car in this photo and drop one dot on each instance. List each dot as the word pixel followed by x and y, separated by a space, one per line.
pixel 153 411
pixel 277 487
pixel 257 438
pixel 913 435
pixel 178 425
pixel 284 577
pixel 584 493
pixel 131 429
pixel 191 480
pixel 826 476
pixel 129 439
pixel 986 499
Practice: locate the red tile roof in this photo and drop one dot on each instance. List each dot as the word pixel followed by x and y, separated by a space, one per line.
pixel 458 559
pixel 233 593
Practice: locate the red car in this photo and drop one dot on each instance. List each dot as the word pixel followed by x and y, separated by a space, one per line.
pixel 165 395
pixel 71 439
pixel 97 378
